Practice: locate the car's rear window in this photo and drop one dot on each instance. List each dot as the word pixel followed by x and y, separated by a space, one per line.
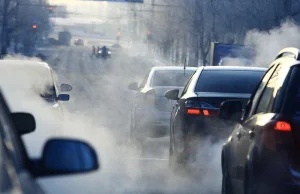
pixel 228 81
pixel 171 77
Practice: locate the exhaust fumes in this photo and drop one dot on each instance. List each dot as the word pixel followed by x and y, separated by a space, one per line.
pixel 268 44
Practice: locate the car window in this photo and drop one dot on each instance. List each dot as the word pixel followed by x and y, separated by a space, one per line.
pixel 228 81
pixel 267 97
pixel 297 103
pixel 187 85
pixel 254 100
pixel 144 80
pixel 55 81
pixel 171 77
pixel 278 91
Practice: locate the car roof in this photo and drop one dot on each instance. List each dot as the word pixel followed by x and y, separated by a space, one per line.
pixel 234 68
pixel 21 63
pixel 173 68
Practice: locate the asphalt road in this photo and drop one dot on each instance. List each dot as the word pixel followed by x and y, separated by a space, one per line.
pixel 99 112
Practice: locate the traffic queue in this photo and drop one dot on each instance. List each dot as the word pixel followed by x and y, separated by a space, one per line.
pixel 254 111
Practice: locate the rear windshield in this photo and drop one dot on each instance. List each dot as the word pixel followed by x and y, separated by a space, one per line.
pixel 228 81
pixel 171 77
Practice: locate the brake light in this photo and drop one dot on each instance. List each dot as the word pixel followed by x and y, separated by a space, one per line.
pixel 192 111
pixel 206 112
pixel 282 126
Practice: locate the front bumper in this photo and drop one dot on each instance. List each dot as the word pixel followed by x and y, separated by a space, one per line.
pixel 152 123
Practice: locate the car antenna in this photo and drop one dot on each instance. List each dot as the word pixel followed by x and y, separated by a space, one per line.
pixel 184 67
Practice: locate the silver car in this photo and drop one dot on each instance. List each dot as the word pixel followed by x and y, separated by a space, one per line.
pixel 150 112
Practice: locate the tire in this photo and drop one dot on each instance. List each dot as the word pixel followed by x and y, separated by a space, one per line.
pixel 134 140
pixel 172 160
pixel 249 184
pixel 226 184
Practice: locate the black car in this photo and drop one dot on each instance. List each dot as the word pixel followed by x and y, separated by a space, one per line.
pixel 262 155
pixel 196 114
pixel 60 156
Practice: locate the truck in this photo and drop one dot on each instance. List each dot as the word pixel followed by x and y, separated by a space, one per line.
pixel 64 38
pixel 223 54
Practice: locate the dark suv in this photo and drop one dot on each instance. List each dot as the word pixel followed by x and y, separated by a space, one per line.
pixel 262 155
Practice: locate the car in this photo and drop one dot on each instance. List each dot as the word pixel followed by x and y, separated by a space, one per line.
pixel 79 42
pixel 262 153
pixel 150 110
pixel 31 75
pixel 60 155
pixel 195 116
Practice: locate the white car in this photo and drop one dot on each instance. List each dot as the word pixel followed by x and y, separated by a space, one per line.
pixel 28 83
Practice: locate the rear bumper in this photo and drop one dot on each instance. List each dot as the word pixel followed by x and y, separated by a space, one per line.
pixel 152 123
pixel 207 126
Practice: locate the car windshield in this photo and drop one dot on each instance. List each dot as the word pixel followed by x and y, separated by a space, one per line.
pixel 228 81
pixel 171 77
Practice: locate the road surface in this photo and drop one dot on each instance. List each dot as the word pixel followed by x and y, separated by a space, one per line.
pixel 99 111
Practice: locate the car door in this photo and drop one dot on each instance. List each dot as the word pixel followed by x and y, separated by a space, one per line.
pixel 263 112
pixel 239 139
pixel 15 156
pixel 137 99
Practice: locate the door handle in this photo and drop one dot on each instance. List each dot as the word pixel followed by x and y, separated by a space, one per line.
pixel 251 134
pixel 238 135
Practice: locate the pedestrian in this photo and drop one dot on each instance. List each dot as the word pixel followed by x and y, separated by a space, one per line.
pixel 94 51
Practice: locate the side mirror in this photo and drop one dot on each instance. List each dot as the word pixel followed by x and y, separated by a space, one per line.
pixel 133 86
pixel 63 97
pixel 67 156
pixel 172 94
pixel 231 110
pixel 24 122
pixel 65 88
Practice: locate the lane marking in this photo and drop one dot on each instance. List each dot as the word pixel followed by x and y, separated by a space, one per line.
pixel 134 158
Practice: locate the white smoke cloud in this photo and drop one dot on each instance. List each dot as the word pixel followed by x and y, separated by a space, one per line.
pixel 268 44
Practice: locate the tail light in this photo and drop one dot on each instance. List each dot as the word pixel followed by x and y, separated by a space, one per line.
pixel 282 126
pixel 204 109
pixel 276 135
pixel 192 111
pixel 150 97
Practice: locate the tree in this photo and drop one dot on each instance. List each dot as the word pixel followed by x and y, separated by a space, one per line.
pixel 18 17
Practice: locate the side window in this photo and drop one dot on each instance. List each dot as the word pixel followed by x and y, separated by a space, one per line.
pixel 54 80
pixel 268 97
pixel 144 80
pixel 253 103
pixel 297 104
pixel 187 85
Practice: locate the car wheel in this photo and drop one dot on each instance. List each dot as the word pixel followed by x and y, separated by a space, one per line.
pixel 134 139
pixel 173 163
pixel 249 184
pixel 226 187
pixel 226 184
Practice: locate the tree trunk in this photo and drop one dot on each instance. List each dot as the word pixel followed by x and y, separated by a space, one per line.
pixel 4 29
